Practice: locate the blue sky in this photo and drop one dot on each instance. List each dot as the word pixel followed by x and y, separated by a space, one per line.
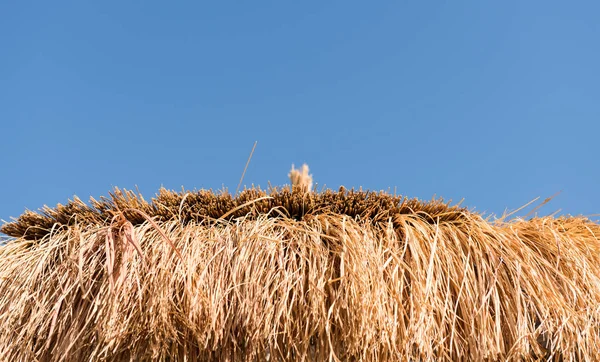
pixel 496 102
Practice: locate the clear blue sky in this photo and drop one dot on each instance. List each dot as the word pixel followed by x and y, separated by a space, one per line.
pixel 496 102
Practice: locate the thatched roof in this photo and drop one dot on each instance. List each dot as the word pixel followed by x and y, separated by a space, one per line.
pixel 205 205
pixel 284 275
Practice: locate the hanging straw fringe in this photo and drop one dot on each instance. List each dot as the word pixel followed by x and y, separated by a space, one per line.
pixel 329 276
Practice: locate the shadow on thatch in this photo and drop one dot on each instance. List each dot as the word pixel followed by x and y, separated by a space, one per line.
pixel 295 276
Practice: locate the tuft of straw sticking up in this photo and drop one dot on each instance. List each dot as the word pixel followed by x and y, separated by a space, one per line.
pixel 289 276
pixel 301 179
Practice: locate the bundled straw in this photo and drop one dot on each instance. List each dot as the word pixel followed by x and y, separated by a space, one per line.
pixel 282 275
pixel 301 178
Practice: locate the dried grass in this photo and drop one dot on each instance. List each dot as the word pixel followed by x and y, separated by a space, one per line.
pixel 301 178
pixel 295 276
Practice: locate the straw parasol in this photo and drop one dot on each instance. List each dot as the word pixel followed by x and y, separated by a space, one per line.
pixel 291 274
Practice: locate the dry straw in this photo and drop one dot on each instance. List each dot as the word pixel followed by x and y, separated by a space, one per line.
pixel 301 178
pixel 293 275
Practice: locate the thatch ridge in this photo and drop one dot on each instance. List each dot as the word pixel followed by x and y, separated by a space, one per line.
pixel 201 205
pixel 197 276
